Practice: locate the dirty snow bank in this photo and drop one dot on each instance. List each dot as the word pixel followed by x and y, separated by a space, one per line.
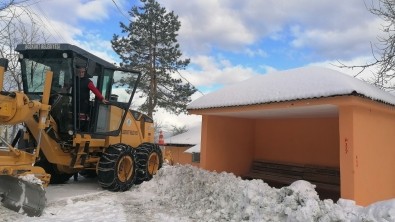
pixel 186 193
pixel 208 196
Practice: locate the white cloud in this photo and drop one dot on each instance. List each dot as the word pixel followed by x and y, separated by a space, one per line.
pixel 255 52
pixel 357 61
pixel 73 11
pixel 234 25
pixel 96 45
pixel 210 23
pixel 65 21
pixel 340 30
pixel 338 43
pixel 215 71
pixel 328 28
pixel 94 10
pixel 268 68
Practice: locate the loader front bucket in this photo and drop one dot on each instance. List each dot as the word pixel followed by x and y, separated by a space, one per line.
pixel 22 196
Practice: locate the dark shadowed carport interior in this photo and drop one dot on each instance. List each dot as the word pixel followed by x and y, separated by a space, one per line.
pixel 303 135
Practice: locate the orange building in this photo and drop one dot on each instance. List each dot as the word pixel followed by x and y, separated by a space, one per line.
pixel 184 148
pixel 304 116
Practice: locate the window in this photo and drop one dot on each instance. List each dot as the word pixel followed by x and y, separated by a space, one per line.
pixel 34 73
pixel 195 157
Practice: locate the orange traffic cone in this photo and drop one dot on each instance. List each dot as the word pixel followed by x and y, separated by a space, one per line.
pixel 161 140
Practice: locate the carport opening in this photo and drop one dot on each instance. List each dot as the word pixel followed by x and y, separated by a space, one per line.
pixel 289 148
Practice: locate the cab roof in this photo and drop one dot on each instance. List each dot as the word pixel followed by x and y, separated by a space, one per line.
pixel 21 48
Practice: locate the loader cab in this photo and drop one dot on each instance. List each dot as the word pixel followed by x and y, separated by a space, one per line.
pixel 63 60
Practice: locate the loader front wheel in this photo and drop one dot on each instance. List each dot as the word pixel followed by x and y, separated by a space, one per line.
pixel 149 161
pixel 117 168
pixel 50 168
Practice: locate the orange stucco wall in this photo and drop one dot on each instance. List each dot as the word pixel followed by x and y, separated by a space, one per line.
pixel 346 141
pixel 369 159
pixel 227 144
pixel 179 156
pixel 237 142
pixel 309 140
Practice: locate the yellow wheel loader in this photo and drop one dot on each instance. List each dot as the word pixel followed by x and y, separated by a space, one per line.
pixel 112 141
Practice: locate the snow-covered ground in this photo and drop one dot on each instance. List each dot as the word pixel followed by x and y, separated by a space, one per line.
pixel 185 193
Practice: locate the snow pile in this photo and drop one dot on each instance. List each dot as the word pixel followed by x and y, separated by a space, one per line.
pixel 186 193
pixel 208 196
pixel 31 178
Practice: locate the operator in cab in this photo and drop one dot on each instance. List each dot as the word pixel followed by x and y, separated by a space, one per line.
pixel 86 85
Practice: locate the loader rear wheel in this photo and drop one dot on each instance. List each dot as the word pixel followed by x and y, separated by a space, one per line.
pixel 149 161
pixel 50 168
pixel 117 168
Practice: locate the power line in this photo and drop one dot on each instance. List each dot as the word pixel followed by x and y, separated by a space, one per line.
pixel 34 15
pixel 41 11
pixel 190 82
pixel 121 11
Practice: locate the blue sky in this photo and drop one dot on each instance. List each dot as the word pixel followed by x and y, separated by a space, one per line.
pixel 230 40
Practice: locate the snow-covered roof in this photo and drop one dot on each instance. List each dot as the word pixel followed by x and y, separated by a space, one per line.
pixel 294 84
pixel 191 137
pixel 194 149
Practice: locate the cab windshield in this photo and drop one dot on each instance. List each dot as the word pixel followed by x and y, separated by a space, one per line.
pixel 34 71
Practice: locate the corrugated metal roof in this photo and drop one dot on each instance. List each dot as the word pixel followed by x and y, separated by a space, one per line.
pixel 294 84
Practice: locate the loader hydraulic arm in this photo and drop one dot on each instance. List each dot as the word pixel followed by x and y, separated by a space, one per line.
pixel 17 192
pixel 16 107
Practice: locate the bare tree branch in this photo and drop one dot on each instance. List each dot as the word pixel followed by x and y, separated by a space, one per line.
pixel 384 52
pixel 18 24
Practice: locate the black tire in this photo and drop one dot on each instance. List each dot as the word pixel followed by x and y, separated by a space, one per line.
pixel 50 168
pixel 117 168
pixel 149 161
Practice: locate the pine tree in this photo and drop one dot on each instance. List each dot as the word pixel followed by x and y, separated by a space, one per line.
pixel 149 44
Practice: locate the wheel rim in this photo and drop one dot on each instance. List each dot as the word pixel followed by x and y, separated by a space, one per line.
pixel 125 168
pixel 153 163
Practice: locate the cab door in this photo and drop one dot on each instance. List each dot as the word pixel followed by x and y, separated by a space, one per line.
pixel 110 117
